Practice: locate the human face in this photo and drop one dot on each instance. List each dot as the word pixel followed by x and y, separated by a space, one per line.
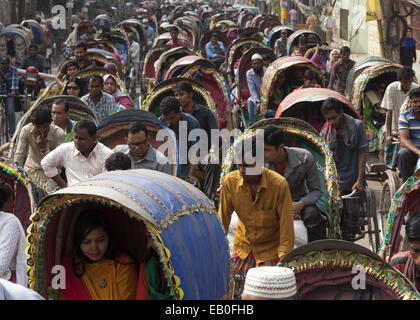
pixel 335 56
pixel 184 98
pixel 4 66
pixel 71 71
pixel 280 79
pixel 283 34
pixel 59 114
pixel 32 51
pixel 257 65
pixel 345 56
pixel 380 88
pixel 334 118
pixel 174 35
pixel 95 88
pixel 246 168
pixel 41 132
pixel 173 118
pixel 95 244
pixel 138 143
pixel 414 248
pixel 73 89
pixel 80 54
pixel 406 84
pixel 271 153
pixel 309 83
pixel 110 85
pixel 214 40
pixel 83 142
pixel 415 105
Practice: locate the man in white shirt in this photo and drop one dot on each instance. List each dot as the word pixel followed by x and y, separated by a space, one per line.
pixel 394 97
pixel 329 25
pixel 83 158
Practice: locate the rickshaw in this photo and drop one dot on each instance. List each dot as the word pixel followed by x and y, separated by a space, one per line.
pixel 165 88
pixel 165 37
pixel 404 201
pixel 358 68
pixel 39 35
pixel 180 220
pixel 102 57
pixel 306 104
pixel 190 30
pixel 224 26
pixel 312 40
pixel 384 173
pixel 288 65
pixel 211 79
pixel 162 66
pixel 298 133
pixel 274 34
pixel 327 50
pixel 149 72
pixel 120 45
pixel 234 53
pixel 242 89
pixel 244 18
pixel 78 110
pixel 79 31
pixel 206 39
pixel 13 43
pixel 26 193
pixel 215 18
pixel 135 26
pixel 102 21
pixel 112 131
pixel 327 270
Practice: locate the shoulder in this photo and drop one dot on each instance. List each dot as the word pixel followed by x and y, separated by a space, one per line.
pixel 9 220
pixel 274 178
pixel 191 120
pixel 159 155
pixel 122 148
pixel 232 177
pixel 56 130
pixel 85 97
pixel 399 259
pixel 104 149
pixel 300 152
pixel 125 258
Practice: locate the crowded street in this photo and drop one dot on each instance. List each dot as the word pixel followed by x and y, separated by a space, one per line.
pixel 209 150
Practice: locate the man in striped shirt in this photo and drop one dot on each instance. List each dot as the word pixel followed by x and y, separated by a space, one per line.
pixel 409 130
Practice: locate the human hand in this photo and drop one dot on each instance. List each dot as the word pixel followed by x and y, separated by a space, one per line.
pixel 297 207
pixel 194 181
pixel 358 186
pixel 13 93
pixel 388 140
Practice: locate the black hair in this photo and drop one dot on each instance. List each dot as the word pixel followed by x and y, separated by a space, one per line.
pixel 66 65
pixel 118 161
pixel 344 49
pixel 169 104
pixel 412 227
pixel 40 116
pixel 62 101
pixel 6 192
pixel 86 222
pixel 331 104
pixel 184 86
pixel 89 125
pixel 95 77
pixel 136 127
pixel 273 136
pixel 266 56
pixel 415 93
pixel 79 83
pixel 81 44
pixel 405 73
pixel 174 29
pixel 302 40
pixel 33 45
pixel 311 75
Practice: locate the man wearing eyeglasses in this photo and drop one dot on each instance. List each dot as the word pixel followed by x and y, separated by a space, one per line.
pixel 141 152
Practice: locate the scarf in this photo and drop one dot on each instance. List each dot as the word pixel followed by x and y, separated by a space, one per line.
pixel 75 288
pixel 329 133
pixel 410 270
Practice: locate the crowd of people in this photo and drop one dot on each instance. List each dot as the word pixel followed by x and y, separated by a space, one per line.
pixel 273 210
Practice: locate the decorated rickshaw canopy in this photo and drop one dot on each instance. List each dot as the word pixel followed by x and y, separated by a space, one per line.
pixel 181 220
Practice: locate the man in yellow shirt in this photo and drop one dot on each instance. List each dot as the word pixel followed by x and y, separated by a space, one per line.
pixel 262 200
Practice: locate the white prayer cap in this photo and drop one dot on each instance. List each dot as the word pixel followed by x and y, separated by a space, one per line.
pixel 270 282
pixel 257 57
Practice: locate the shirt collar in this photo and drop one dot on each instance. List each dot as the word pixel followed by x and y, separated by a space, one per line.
pixel 292 161
pixel 263 181
pixel 76 152
pixel 149 156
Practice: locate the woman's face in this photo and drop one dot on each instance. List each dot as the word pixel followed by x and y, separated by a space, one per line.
pixel 73 89
pixel 95 244
pixel 110 86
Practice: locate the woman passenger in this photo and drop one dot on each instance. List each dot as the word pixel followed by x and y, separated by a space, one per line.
pixel 111 87
pixel 75 88
pixel 97 270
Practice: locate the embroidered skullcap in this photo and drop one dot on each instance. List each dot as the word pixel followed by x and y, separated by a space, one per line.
pixel 270 282
pixel 256 57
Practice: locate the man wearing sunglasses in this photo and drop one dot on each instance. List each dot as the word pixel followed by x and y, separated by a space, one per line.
pixel 141 152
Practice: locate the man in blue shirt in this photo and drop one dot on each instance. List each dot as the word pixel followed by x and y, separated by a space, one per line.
pixel 409 130
pixel 9 87
pixel 181 124
pixel 254 78
pixel 215 50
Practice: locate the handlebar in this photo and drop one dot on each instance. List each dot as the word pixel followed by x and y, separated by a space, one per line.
pixel 350 196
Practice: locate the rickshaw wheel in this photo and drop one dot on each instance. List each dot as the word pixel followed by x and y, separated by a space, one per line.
pixel 389 189
pixel 369 206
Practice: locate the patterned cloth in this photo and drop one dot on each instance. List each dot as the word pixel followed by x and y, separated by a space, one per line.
pixel 9 82
pixel 105 107
pixel 404 262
